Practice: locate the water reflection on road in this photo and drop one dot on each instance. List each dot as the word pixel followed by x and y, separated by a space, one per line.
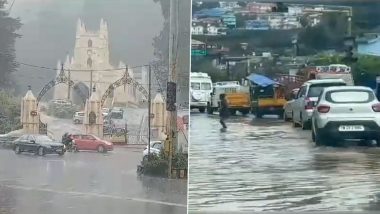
pixel 267 165
pixel 85 182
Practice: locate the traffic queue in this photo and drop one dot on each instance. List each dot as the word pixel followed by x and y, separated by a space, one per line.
pixel 325 101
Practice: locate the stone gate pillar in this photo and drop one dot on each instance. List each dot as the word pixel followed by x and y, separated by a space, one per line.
pixel 30 118
pixel 159 115
pixel 93 121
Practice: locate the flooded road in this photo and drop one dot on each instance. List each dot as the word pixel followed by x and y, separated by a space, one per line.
pixel 267 165
pixel 85 182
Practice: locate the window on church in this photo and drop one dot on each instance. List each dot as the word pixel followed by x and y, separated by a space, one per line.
pixel 89 62
pixel 90 43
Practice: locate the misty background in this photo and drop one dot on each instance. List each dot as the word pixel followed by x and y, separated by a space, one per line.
pixel 138 32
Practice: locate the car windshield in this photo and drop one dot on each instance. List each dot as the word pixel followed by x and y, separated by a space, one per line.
pixel 350 96
pixel 206 86
pixel 195 86
pixel 316 89
pixel 43 138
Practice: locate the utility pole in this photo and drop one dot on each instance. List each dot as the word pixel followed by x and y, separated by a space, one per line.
pixel 69 86
pixel 172 90
pixel 149 108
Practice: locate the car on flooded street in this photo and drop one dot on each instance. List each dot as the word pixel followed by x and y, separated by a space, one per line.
pixel 38 144
pixel 345 113
pixel 91 143
pixel 288 106
pixel 304 104
pixel 155 148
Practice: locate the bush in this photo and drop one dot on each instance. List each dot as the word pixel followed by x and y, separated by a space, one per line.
pixel 10 110
pixel 180 161
pixel 156 166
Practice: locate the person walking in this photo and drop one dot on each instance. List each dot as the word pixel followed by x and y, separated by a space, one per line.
pixel 224 112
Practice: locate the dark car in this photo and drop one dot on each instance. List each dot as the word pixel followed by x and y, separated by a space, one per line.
pixel 38 144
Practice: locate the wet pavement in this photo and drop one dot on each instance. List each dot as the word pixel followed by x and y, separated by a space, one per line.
pixel 85 182
pixel 267 165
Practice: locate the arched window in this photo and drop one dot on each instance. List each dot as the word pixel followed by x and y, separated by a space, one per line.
pixel 89 62
pixel 90 43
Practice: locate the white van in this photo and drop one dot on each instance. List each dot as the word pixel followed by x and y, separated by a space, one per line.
pixel 201 88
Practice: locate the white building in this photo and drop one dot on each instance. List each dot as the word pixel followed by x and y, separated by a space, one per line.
pixel 212 30
pixel 197 30
pixel 91 61
pixel 228 5
pixel 295 10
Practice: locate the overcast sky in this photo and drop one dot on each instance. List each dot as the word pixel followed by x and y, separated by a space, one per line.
pixel 49 26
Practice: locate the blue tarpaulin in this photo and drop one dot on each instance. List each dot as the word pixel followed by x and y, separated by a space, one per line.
pixel 261 80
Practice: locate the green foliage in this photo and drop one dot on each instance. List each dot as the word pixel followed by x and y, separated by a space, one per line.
pixel 204 65
pixel 180 161
pixel 8 36
pixel 62 111
pixel 157 165
pixel 329 33
pixel 10 109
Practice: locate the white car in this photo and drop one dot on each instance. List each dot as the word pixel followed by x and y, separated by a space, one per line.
pixel 303 106
pixel 346 112
pixel 155 148
pixel 78 117
pixel 288 107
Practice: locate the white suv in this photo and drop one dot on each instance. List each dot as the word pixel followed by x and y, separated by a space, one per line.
pixel 78 117
pixel 303 105
pixel 346 112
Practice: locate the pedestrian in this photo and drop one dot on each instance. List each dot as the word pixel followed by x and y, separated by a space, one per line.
pixel 224 112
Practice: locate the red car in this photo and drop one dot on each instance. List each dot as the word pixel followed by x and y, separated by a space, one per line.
pixel 91 142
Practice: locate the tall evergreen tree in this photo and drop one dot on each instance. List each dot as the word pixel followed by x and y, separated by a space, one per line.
pixel 8 36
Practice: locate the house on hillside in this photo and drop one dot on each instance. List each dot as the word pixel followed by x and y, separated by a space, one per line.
pixel 229 5
pixel 257 8
pixel 229 20
pixel 197 29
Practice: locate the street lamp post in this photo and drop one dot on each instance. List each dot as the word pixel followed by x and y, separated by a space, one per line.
pixel 149 108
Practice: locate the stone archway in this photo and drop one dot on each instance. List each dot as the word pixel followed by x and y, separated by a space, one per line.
pixel 126 79
pixel 80 89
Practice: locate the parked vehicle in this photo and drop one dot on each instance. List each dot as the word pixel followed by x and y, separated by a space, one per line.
pixel 155 148
pixel 78 117
pixel 7 140
pixel 334 71
pixel 303 106
pixel 288 106
pixel 105 111
pixel 91 142
pixel 61 102
pixel 38 144
pixel 346 112
pixel 201 87
pixel 267 96
pixel 238 97
pixel 115 120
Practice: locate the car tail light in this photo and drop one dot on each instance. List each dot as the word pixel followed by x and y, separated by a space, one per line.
pixel 309 104
pixel 376 107
pixel 323 109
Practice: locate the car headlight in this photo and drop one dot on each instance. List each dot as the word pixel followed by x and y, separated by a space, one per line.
pixel 64 146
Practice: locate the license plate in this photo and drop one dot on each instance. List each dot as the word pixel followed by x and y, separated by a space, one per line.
pixel 351 128
pixel 59 150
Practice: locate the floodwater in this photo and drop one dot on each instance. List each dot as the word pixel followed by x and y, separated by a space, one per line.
pixel 267 165
pixel 85 182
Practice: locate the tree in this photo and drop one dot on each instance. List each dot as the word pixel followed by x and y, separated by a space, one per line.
pixel 329 33
pixel 242 3
pixel 8 36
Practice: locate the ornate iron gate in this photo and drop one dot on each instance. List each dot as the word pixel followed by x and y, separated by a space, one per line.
pixel 42 128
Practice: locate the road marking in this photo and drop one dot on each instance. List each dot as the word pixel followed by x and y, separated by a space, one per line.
pixel 142 200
